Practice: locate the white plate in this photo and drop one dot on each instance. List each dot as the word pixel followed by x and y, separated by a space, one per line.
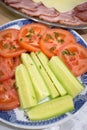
pixel 17 117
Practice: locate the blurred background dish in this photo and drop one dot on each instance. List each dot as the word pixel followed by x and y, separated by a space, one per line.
pixel 44 13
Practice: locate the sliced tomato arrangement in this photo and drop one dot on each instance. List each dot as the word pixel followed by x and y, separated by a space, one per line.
pixel 30 35
pixel 75 57
pixel 55 38
pixel 35 37
pixel 8 95
pixel 9 46
pixel 7 67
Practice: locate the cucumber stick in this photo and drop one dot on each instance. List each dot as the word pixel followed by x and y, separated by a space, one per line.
pixel 25 88
pixel 63 74
pixel 37 80
pixel 44 61
pixel 53 91
pixel 51 108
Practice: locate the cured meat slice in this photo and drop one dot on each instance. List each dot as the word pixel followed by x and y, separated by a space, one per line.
pixel 82 15
pixel 41 11
pixel 29 12
pixel 12 1
pixel 25 4
pixel 49 18
pixel 80 11
pixel 63 18
pixel 68 18
pixel 81 7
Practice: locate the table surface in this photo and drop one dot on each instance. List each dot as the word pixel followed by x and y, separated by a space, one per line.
pixel 6 16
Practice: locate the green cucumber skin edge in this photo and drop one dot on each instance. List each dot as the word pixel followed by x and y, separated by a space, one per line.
pixel 25 89
pixel 38 82
pixel 44 60
pixel 52 108
pixel 53 91
pixel 69 81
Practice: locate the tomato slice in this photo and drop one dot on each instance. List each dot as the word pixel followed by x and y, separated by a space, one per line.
pixel 53 39
pixel 7 67
pixel 8 95
pixel 75 57
pixel 9 46
pixel 30 34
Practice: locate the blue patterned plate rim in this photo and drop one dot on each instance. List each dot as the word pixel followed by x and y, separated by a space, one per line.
pixel 17 118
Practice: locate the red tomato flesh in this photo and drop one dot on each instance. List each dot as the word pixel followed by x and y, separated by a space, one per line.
pixel 30 35
pixel 53 39
pixel 7 67
pixel 8 95
pixel 75 57
pixel 9 46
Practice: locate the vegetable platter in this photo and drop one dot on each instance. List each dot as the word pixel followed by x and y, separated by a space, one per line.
pixel 17 117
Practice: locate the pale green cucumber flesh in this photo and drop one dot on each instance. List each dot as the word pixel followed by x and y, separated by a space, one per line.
pixel 52 89
pixel 55 107
pixel 63 74
pixel 44 60
pixel 25 88
pixel 37 80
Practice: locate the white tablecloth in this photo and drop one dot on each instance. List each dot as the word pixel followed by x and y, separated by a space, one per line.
pixel 78 122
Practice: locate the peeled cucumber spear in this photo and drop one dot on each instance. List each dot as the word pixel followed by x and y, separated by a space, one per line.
pixel 25 88
pixel 44 61
pixel 52 89
pixel 64 75
pixel 49 109
pixel 37 80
